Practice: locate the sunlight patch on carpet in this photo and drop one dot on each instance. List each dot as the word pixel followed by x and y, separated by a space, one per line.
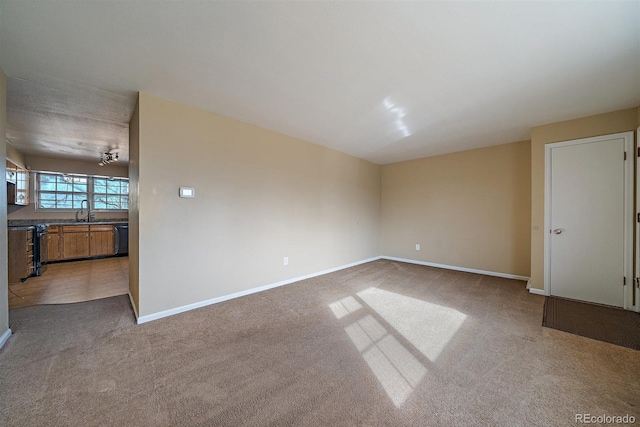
pixel 428 327
pixel 397 370
pixel 344 307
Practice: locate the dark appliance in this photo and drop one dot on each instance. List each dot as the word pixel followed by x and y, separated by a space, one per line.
pixel 121 240
pixel 40 248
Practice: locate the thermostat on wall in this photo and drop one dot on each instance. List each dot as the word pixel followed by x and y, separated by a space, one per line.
pixel 187 192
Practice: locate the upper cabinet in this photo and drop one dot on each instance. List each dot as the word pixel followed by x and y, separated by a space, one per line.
pixel 11 172
pixel 17 184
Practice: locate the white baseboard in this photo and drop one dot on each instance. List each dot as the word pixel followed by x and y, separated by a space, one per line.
pixel 535 290
pixel 5 337
pixel 133 305
pixel 171 312
pixel 453 267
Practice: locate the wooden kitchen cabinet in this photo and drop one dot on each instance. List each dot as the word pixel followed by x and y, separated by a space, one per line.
pixel 75 241
pixel 84 241
pixel 20 259
pixel 11 171
pixel 53 244
pixel 17 184
pixel 101 243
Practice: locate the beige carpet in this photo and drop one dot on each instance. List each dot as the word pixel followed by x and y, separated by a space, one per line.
pixel 384 343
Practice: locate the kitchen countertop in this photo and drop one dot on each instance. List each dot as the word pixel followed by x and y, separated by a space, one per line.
pixel 86 223
pixel 31 222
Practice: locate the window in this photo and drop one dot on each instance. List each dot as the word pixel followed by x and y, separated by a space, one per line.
pixel 110 193
pixel 57 191
pixel 66 192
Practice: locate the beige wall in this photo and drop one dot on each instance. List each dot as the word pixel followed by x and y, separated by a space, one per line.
pixel 601 124
pixel 260 196
pixel 4 300
pixel 16 156
pixel 469 209
pixel 134 217
pixel 47 164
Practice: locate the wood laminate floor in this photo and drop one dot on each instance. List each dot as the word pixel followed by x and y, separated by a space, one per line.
pixel 70 282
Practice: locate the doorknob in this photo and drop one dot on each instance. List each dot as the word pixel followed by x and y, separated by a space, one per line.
pixel 557 231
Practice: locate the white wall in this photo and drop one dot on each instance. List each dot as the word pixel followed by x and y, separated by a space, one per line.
pixel 4 300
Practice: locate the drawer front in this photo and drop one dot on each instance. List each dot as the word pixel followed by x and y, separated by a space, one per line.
pixel 102 227
pixel 75 228
pixel 53 229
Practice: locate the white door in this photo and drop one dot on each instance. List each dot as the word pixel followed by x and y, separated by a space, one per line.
pixel 589 221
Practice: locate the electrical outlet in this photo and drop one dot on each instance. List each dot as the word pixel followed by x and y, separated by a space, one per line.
pixel 417 246
pixel 286 260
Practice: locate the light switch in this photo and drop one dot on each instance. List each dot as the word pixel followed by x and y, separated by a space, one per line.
pixel 187 192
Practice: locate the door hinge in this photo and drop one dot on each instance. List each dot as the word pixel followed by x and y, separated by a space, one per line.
pixel 638 217
pixel 625 155
pixel 624 281
pixel 638 151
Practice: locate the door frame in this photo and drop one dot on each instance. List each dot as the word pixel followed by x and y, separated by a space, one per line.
pixel 629 214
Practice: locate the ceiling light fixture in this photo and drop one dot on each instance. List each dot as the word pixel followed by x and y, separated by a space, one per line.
pixel 108 158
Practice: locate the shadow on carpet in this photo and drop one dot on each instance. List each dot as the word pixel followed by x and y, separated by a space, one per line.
pixel 599 322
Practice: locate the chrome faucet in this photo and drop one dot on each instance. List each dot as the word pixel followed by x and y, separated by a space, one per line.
pixel 79 213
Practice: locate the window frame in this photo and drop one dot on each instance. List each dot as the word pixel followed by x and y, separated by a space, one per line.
pixel 90 193
pixel 120 195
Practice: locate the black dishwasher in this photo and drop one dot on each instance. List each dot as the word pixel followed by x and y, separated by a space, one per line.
pixel 121 240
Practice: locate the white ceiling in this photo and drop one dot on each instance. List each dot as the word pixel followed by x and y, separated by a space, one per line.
pixel 66 120
pixel 384 81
